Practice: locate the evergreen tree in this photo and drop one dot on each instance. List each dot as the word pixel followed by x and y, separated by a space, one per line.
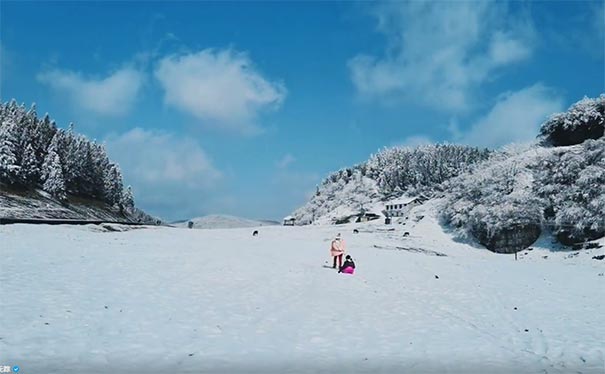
pixel 127 199
pixel 113 185
pixel 99 164
pixel 55 183
pixel 29 167
pixel 43 137
pixel 53 149
pixel 9 168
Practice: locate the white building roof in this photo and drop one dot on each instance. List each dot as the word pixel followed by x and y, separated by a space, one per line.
pixel 401 200
pixel 288 218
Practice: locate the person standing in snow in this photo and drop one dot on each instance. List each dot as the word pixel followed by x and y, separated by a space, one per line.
pixel 337 249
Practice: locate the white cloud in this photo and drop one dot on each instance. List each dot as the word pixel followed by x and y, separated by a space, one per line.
pixel 440 52
pixel 516 117
pixel 505 49
pixel 169 173
pixel 162 158
pixel 221 87
pixel 113 95
pixel 285 161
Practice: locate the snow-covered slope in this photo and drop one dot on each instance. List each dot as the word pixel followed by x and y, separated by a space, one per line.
pixel 216 221
pixel 172 300
pixel 40 205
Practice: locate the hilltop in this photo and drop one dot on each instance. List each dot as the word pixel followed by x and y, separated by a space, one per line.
pixel 502 199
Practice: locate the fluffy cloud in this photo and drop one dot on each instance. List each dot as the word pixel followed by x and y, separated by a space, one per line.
pixel 113 95
pixel 221 87
pixel 439 52
pixel 169 173
pixel 516 117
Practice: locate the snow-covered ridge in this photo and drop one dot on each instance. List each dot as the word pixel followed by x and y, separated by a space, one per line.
pixel 218 221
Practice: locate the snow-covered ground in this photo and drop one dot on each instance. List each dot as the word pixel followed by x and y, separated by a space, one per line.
pixel 222 221
pixel 172 300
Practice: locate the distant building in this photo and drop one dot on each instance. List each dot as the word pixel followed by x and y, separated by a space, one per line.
pixel 400 207
pixel 289 221
pixel 366 216
pixel 355 218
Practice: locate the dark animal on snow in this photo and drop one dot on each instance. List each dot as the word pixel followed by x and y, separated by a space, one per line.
pixel 355 231
pixel 406 234
pixel 255 233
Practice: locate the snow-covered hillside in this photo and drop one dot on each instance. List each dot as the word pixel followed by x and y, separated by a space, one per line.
pixel 222 221
pixel 160 299
pixel 503 199
pixel 38 204
pixel 388 174
pixel 340 199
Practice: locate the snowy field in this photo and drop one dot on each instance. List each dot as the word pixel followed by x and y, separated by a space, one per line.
pixel 173 300
pixel 222 221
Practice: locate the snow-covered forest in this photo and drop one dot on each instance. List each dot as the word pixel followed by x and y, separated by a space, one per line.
pixel 556 184
pixel 390 173
pixel 50 172
pixel 34 153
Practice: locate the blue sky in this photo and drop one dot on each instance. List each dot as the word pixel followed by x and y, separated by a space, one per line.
pixel 242 108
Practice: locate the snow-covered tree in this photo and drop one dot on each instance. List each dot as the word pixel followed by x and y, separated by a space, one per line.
pixel 29 167
pixel 113 185
pixel 494 199
pixel 55 183
pixel 402 169
pixel 127 199
pixel 49 159
pixel 9 167
pixel 33 149
pixel 572 182
pixel 583 120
